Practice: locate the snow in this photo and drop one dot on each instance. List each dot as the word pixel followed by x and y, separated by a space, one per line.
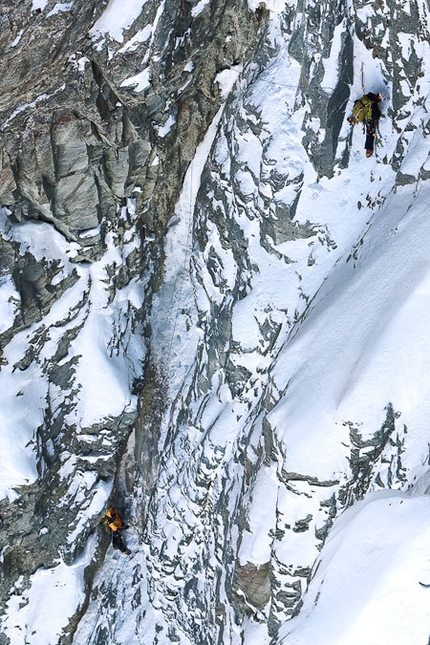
pixel 198 8
pixel 96 502
pixel 226 79
pixel 365 587
pixel 355 332
pixel 102 374
pixel 39 5
pixel 26 106
pixel 140 37
pixel 60 7
pixel 17 38
pixel 165 129
pixel 331 64
pixel 19 423
pixel 139 82
pixel 8 297
pixel 118 16
pixel 256 543
pixel 40 614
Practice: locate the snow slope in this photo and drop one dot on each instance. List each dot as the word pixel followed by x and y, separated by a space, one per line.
pixel 365 587
pixel 366 332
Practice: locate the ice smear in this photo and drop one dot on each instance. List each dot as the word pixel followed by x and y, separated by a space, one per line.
pixel 171 333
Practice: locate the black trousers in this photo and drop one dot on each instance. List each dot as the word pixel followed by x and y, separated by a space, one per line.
pixel 369 144
pixel 371 127
pixel 118 542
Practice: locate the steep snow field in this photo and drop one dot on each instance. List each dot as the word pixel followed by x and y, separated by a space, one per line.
pixel 365 340
pixel 365 587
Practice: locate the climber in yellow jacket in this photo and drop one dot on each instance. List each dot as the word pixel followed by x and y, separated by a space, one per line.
pixel 114 519
pixel 366 111
pixel 114 522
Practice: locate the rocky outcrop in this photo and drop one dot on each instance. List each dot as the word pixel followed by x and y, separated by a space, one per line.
pixel 86 140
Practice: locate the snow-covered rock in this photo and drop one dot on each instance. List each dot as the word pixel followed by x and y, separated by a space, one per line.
pixel 214 315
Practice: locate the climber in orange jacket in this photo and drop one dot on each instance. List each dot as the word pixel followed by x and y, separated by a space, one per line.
pixel 113 521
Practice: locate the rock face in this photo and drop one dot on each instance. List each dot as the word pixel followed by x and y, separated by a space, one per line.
pixel 86 139
pixel 91 167
pixel 149 207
